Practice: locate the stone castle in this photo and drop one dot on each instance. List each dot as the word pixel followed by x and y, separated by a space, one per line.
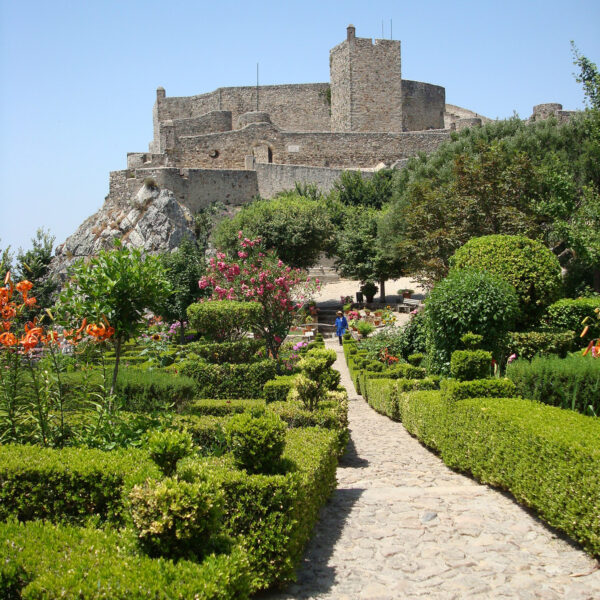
pixel 234 143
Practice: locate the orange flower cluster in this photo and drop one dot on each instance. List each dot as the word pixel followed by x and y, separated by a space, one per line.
pixel 388 358
pixel 34 334
pixel 100 332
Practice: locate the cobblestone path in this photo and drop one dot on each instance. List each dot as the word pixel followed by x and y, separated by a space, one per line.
pixel 402 525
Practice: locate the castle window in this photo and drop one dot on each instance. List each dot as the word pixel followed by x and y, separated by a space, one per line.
pixel 214 154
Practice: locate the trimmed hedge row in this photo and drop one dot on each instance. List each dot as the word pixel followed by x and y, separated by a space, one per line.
pixel 240 351
pixel 222 407
pixel 229 380
pixel 526 344
pixel 277 390
pixel 139 391
pixel 477 388
pixel 71 484
pixel 40 560
pixel 273 515
pixel 383 396
pixel 548 458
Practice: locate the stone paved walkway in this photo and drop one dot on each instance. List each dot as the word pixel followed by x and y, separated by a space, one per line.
pixel 402 525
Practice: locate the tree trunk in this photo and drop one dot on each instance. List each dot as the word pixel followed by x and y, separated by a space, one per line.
pixel 597 280
pixel 118 347
pixel 181 333
pixel 382 290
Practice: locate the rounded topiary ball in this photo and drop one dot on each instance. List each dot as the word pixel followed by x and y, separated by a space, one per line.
pixel 257 443
pixel 526 264
pixel 468 301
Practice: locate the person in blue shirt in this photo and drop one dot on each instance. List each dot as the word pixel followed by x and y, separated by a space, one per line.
pixel 341 325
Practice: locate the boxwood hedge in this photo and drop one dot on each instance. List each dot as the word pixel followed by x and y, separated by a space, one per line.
pixel 39 560
pixel 71 484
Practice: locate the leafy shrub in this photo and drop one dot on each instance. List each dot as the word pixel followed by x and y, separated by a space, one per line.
pixel 317 377
pixel 468 301
pixel 256 442
pixel 572 382
pixel 229 380
pixel 220 408
pixel 471 341
pixel 388 337
pixel 416 359
pixel 277 390
pixel 239 351
pixel 224 320
pixel 332 413
pixel 405 371
pixel 57 561
pixel 138 391
pixel 365 328
pixel 273 515
pixel 68 485
pixel 309 391
pixel 207 432
pixel 414 337
pixel 167 447
pixel 176 518
pixel 477 388
pixel 526 344
pixel 531 268
pixel 568 314
pixel 470 364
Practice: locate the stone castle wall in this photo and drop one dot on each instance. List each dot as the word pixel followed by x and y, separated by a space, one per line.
pixel 197 188
pixel 294 107
pixel 423 106
pixel 337 150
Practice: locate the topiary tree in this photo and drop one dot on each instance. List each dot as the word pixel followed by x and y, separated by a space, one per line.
pixel 532 269
pixel 224 320
pixel 468 301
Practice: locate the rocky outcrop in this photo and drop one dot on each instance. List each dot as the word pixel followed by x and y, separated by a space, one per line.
pixel 153 220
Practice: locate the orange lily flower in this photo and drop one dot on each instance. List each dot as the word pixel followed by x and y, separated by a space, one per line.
pixel 8 312
pixel 24 286
pixel 585 330
pixel 30 341
pixel 30 301
pixel 6 325
pixel 8 339
pixel 589 347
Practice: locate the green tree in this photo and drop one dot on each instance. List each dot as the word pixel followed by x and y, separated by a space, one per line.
pixel 588 76
pixel 355 189
pixel 491 190
pixel 359 255
pixel 296 228
pixel 34 265
pixel 118 286
pixel 183 269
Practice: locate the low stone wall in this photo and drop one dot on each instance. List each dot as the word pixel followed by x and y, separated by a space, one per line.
pixel 276 178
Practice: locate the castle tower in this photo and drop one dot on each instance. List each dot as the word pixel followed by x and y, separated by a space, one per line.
pixel 366 84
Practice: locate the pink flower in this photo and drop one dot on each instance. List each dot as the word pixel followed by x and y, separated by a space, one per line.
pixel 277 339
pixel 242 254
pixel 511 358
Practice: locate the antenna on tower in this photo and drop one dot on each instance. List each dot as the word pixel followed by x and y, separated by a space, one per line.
pixel 381 28
pixel 256 87
pixel 390 29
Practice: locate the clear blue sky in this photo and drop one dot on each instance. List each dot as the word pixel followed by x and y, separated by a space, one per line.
pixel 78 78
